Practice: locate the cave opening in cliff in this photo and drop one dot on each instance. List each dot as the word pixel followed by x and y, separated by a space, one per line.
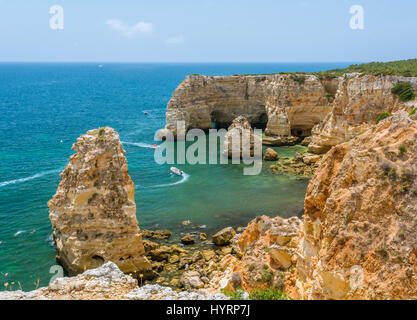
pixel 260 122
pixel 301 132
pixel 220 120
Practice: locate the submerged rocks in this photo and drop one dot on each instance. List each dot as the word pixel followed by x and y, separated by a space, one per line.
pixel 299 165
pixel 187 239
pixel 224 236
pixel 93 212
pixel 157 234
pixel 271 155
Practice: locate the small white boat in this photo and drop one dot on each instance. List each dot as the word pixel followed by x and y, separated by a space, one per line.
pixel 176 171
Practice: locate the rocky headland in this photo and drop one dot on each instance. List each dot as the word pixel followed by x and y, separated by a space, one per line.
pixel 289 107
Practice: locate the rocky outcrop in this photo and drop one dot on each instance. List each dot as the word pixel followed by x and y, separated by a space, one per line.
pixel 93 212
pixel 241 141
pixel 284 104
pixel 105 283
pixel 359 237
pixel 301 165
pixel 224 236
pixel 268 247
pixel 271 155
pixel 358 102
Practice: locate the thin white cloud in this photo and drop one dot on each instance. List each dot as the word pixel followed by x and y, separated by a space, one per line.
pixel 130 31
pixel 175 40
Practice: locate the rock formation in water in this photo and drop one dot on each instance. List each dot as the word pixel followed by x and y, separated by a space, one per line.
pixel 287 106
pixel 359 237
pixel 241 141
pixel 358 102
pixel 93 212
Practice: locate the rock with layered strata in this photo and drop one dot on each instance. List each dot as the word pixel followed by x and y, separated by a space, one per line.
pixel 282 103
pixel 93 212
pixel 359 235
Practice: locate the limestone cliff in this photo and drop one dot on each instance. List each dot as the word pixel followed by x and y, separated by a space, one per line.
pixel 287 106
pixel 93 212
pixel 358 102
pixel 358 238
pixel 279 103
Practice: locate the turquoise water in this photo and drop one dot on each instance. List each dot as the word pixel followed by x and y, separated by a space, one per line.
pixel 45 107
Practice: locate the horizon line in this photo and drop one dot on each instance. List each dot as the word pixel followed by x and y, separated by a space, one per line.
pixel 183 62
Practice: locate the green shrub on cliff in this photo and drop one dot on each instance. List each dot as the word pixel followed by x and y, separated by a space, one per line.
pixel 382 116
pixel 268 294
pixel 236 295
pixel 404 91
pixel 299 79
pixel 413 112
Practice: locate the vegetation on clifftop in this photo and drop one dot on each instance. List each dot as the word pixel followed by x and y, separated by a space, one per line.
pixel 406 68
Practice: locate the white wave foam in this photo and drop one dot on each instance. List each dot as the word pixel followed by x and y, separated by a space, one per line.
pixel 38 175
pixel 139 144
pixel 184 178
pixel 18 232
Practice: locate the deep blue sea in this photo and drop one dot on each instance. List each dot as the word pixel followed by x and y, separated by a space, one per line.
pixel 45 107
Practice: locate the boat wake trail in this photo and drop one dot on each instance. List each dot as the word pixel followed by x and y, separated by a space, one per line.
pixel 139 144
pixel 184 178
pixel 38 175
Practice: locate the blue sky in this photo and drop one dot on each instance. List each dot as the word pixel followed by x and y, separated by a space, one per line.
pixel 207 31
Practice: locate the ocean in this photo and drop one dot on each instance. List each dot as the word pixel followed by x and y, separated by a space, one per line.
pixel 44 107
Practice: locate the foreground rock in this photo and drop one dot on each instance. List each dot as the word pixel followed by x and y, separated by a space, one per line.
pixel 268 247
pixel 104 283
pixel 93 212
pixel 157 234
pixel 359 235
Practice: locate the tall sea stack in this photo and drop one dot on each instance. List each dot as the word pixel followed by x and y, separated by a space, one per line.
pixel 93 212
